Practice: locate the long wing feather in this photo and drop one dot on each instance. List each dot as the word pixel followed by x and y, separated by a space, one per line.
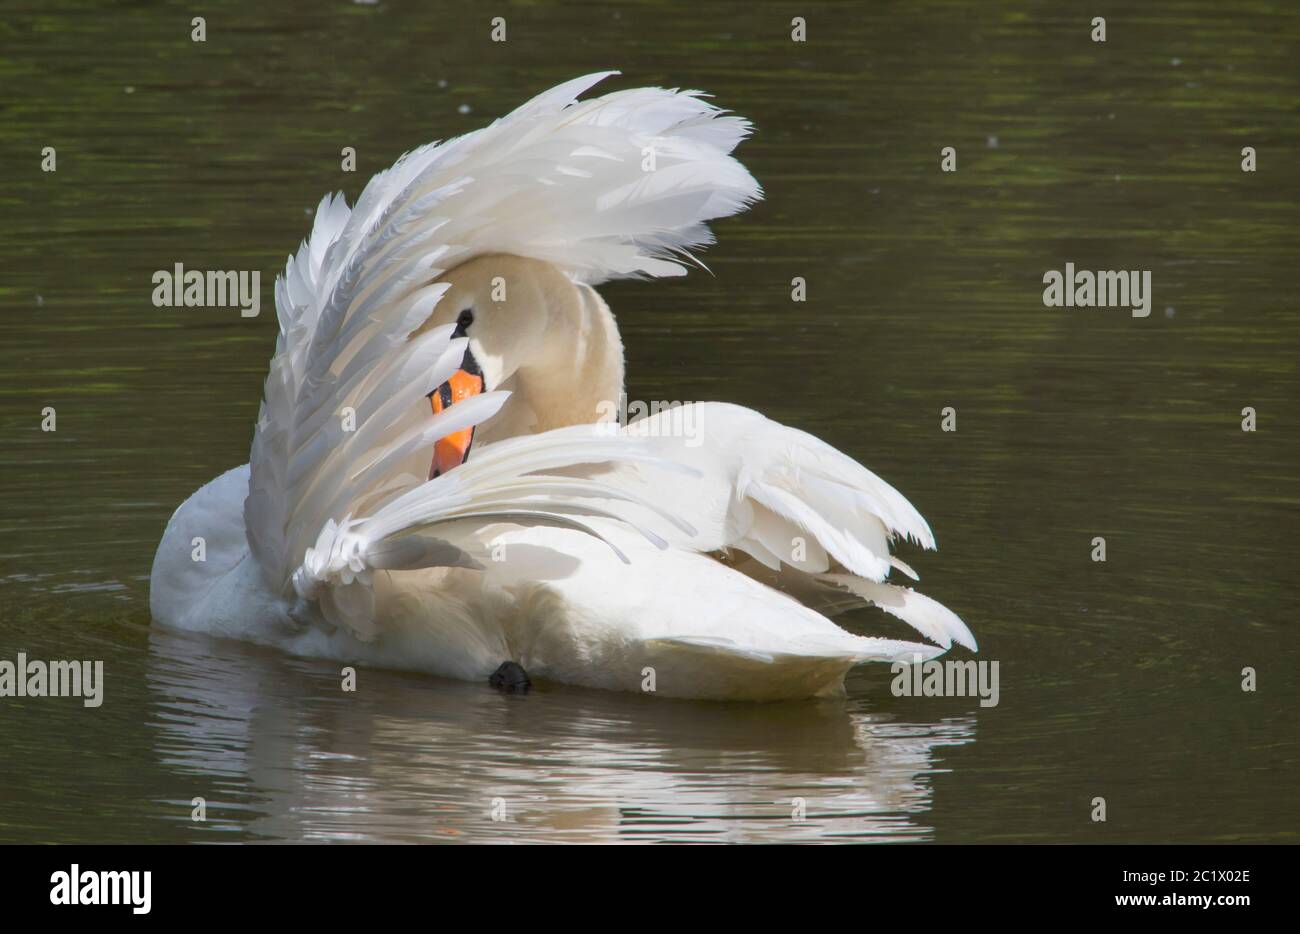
pixel 344 417
pixel 818 524
pixel 503 488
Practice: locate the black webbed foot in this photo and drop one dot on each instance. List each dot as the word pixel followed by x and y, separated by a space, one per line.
pixel 510 678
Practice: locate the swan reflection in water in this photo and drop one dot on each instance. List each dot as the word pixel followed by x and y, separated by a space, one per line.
pixel 281 752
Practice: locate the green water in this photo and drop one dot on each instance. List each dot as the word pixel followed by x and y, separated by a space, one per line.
pixel 1119 679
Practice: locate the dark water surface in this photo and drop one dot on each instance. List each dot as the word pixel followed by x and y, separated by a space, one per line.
pixel 1119 679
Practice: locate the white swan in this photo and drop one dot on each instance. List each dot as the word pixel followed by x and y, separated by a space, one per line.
pixel 693 553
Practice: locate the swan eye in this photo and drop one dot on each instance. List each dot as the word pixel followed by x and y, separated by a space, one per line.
pixel 463 321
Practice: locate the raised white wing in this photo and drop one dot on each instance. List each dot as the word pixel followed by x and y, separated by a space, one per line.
pixel 336 465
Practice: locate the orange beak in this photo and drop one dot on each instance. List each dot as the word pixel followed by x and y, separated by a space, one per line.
pixel 452 450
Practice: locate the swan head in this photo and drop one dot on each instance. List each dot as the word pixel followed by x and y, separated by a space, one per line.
pixel 532 330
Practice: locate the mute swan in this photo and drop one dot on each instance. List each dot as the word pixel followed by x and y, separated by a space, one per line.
pixel 435 483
